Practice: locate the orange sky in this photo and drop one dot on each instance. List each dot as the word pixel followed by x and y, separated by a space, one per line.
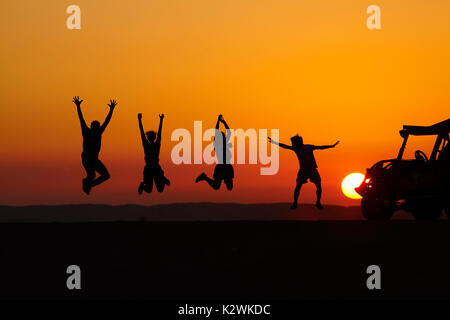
pixel 307 67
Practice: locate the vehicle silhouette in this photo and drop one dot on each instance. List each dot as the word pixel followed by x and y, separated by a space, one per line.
pixel 420 186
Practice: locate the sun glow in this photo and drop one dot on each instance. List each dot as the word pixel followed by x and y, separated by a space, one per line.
pixel 349 184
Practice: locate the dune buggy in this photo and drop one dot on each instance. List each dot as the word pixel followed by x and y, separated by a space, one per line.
pixel 420 186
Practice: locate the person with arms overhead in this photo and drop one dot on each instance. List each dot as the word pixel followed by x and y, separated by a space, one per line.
pixel 152 170
pixel 223 170
pixel 308 166
pixel 92 140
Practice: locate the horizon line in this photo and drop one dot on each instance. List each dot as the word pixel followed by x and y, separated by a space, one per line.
pixel 172 203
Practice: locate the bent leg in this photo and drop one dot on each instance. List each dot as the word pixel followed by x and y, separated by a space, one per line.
pixel 229 175
pixel 104 174
pixel 141 187
pixel 166 180
pixel 229 183
pixel 215 184
pixel 217 178
pixel 161 179
pixel 148 185
pixel 89 167
pixel 160 183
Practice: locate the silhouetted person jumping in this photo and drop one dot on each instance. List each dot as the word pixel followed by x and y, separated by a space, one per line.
pixel 92 140
pixel 152 171
pixel 223 170
pixel 308 166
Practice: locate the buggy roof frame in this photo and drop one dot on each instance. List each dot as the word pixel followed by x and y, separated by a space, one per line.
pixel 441 128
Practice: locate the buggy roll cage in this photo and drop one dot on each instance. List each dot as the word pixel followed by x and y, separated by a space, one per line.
pixel 441 129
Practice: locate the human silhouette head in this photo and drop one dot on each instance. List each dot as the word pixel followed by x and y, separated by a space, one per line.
pixel 95 125
pixel 297 140
pixel 151 136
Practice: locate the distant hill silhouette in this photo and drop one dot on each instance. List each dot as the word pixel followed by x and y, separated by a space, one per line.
pixel 179 212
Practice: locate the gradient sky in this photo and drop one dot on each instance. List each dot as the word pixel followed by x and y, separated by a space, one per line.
pixel 307 67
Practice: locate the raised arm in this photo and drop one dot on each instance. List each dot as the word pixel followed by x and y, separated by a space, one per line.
pixel 326 147
pixel 141 128
pixel 161 117
pixel 112 104
pixel 78 102
pixel 282 145
pixel 225 124
pixel 226 127
pixel 219 119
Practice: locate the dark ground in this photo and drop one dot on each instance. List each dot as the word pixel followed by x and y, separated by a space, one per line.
pixel 180 212
pixel 226 260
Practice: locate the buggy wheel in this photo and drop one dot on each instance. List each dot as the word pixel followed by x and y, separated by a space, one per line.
pixel 447 209
pixel 426 209
pixel 447 204
pixel 379 207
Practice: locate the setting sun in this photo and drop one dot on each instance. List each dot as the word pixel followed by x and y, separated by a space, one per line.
pixel 349 184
